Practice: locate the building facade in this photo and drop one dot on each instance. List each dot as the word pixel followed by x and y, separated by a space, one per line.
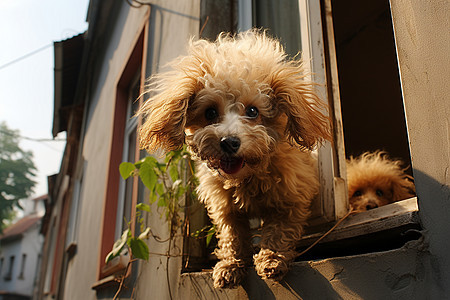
pixel 382 68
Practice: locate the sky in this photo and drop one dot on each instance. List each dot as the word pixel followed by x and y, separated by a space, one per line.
pixel 26 86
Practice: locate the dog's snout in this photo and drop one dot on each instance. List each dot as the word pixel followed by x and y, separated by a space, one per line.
pixel 371 205
pixel 230 144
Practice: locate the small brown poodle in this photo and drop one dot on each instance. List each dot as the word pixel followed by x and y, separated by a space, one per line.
pixel 375 180
pixel 250 118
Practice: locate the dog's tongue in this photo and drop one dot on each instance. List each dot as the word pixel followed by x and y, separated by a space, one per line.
pixel 231 165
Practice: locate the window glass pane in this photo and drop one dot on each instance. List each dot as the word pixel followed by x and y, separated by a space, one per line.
pixel 129 183
pixel 129 155
pixel 282 19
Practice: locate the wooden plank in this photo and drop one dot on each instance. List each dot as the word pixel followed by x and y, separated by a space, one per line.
pixel 383 218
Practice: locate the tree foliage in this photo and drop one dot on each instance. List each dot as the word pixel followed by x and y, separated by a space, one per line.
pixel 17 171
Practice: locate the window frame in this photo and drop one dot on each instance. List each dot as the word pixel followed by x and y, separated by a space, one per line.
pixel 131 125
pixel 401 214
pixel 136 61
pixel 333 192
pixel 22 267
pixel 9 275
pixel 2 261
pixel 319 54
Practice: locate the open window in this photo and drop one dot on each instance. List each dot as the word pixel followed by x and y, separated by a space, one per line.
pixel 350 49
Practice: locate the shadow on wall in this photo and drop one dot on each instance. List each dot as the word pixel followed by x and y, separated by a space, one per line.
pixel 434 204
pixel 434 211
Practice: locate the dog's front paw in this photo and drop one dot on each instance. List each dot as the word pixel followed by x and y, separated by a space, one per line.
pixel 228 274
pixel 270 265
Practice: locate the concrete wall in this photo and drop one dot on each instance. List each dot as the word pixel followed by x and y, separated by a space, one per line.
pixel 423 47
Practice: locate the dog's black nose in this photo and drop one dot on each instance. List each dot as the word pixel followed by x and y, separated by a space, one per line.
pixel 230 144
pixel 371 205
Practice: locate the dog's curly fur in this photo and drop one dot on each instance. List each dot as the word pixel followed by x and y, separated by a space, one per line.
pixel 250 119
pixel 375 180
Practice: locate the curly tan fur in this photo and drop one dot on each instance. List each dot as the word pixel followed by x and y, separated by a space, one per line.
pixel 249 118
pixel 375 180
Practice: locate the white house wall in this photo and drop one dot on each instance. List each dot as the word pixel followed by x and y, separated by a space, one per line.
pixel 30 244
pixel 166 18
pixel 172 24
pixel 83 268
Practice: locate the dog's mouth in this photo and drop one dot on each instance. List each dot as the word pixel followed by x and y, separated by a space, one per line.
pixel 231 165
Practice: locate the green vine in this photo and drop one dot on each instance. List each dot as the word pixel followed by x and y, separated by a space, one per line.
pixel 168 182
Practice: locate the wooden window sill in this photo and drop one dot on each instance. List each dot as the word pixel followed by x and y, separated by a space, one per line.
pixel 111 272
pixel 380 224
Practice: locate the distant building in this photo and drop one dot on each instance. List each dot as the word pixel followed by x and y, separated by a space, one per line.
pixel 20 252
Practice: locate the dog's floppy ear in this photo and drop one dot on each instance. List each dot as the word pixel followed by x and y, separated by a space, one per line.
pixel 307 124
pixel 164 113
pixel 403 188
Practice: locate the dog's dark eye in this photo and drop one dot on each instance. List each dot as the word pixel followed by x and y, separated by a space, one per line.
pixel 211 114
pixel 357 194
pixel 252 112
pixel 379 193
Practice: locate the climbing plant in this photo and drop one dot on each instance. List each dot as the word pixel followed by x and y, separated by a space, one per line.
pixel 169 183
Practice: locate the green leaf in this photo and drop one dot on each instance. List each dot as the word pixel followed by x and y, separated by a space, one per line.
pixel 150 160
pixel 210 234
pixel 148 176
pixel 173 172
pixel 162 201
pixel 143 206
pixel 161 167
pixel 208 239
pixel 160 189
pixel 139 248
pixel 126 169
pixel 169 156
pixel 152 197
pixel 118 246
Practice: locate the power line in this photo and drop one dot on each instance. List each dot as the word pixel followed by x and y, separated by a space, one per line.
pixel 25 56
pixel 31 139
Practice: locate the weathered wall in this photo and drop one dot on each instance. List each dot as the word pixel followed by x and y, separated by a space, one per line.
pixel 119 39
pixel 172 24
pixel 423 47
pixel 166 18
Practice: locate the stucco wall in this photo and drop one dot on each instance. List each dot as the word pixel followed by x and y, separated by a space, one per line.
pixel 166 18
pixel 172 24
pixel 423 47
pixel 83 268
